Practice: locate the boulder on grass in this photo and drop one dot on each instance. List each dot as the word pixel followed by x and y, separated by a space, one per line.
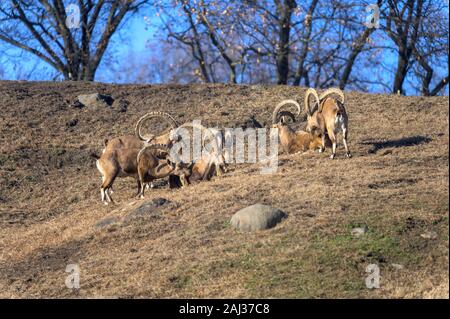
pixel 95 100
pixel 148 209
pixel 257 217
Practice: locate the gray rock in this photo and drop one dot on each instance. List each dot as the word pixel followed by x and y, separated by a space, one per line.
pixel 359 231
pixel 148 209
pixel 257 217
pixel 106 222
pixel 72 123
pixel 429 235
pixel 397 266
pixel 94 100
pixel 120 105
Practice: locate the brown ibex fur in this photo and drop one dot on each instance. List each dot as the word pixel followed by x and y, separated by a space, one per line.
pixel 150 167
pixel 293 141
pixel 124 162
pixel 329 116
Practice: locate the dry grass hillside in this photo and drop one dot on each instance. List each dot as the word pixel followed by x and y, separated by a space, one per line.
pixel 396 186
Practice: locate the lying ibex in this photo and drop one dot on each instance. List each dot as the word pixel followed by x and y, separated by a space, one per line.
pixel 207 167
pixel 293 141
pixel 212 161
pixel 124 162
pixel 328 115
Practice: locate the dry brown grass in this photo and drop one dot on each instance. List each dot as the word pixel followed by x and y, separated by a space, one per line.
pixel 396 185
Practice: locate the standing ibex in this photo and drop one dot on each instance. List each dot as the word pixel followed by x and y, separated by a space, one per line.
pixel 138 141
pixel 328 115
pixel 293 141
pixel 145 165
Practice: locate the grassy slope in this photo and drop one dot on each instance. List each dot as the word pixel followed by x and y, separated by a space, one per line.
pixel 396 185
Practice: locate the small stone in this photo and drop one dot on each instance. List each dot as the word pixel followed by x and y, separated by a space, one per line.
pixel 397 266
pixel 147 209
pixel 120 105
pixel 72 123
pixel 106 222
pixel 94 100
pixel 358 231
pixel 429 235
pixel 381 259
pixel 159 201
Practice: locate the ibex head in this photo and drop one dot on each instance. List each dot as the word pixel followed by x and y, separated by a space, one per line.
pixel 280 118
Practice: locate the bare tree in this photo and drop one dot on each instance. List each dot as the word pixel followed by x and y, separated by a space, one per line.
pixel 356 49
pixel 431 49
pixel 41 28
pixel 402 26
pixel 305 41
pixel 284 13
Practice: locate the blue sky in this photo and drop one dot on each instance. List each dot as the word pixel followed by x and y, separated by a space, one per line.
pixel 130 41
pixel 132 37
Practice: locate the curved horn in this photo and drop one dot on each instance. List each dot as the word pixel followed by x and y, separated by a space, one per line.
pixel 333 91
pixel 280 105
pixel 147 116
pixel 308 93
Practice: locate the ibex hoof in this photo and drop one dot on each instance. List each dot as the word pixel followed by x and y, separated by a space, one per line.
pixel 349 155
pixel 320 150
pixel 105 203
pixel 332 156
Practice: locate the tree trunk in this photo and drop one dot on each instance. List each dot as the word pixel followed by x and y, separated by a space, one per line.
pixel 283 42
pixel 400 74
pixel 439 86
pixel 305 47
pixel 357 49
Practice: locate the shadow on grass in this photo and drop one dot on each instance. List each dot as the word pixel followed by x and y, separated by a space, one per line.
pixel 402 142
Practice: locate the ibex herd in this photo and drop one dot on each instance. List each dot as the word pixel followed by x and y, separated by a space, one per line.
pixel 149 158
pixel 325 119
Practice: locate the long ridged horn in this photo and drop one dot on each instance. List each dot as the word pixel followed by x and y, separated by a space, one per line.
pixel 333 91
pixel 147 116
pixel 280 105
pixel 308 93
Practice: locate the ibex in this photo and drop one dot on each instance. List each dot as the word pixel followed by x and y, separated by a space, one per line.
pixel 212 162
pixel 151 167
pixel 138 141
pixel 124 162
pixel 293 141
pixel 328 116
